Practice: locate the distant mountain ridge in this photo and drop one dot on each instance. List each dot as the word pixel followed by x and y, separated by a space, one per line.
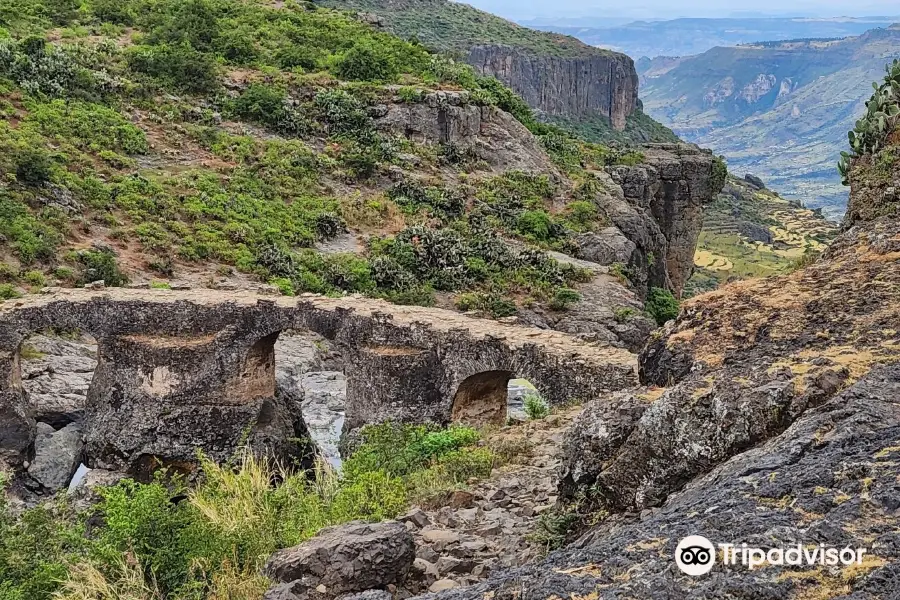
pixel 779 110
pixel 686 37
pixel 570 83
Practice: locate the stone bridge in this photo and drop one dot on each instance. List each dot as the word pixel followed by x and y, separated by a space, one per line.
pixel 185 371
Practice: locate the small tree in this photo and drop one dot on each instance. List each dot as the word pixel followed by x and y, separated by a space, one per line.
pixel 367 62
pixel 662 305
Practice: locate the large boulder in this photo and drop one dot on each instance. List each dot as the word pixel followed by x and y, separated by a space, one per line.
pixel 56 375
pixel 343 560
pixel 591 443
pixel 56 456
pixel 605 247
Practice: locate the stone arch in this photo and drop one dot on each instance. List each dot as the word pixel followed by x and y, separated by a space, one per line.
pixel 481 399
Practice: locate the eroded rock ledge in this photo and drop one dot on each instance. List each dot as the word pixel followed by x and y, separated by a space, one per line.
pixel 182 371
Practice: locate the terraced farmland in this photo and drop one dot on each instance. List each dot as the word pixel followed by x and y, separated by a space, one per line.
pixel 750 231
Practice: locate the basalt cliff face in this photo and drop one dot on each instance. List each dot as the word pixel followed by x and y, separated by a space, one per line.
pixel 579 86
pixel 555 74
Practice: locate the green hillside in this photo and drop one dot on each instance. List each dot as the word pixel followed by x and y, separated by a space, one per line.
pixel 779 110
pixel 224 140
pixel 455 26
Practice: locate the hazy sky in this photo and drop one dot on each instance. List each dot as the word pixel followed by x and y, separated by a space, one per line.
pixel 667 9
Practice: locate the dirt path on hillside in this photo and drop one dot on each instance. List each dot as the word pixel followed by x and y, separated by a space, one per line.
pixel 490 525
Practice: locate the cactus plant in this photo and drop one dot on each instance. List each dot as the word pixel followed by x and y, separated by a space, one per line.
pixel 882 115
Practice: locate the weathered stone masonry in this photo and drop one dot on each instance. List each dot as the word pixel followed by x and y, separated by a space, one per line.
pixel 182 371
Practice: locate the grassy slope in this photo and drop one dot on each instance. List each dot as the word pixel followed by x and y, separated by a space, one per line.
pixel 453 26
pixel 194 153
pixel 808 127
pixel 728 251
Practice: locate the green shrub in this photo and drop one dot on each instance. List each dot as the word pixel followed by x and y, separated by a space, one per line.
pixel 100 265
pixel 494 304
pixel 536 408
pixel 459 466
pixel 36 548
pixel 284 285
pixel 8 273
pixel 34 166
pixel 662 305
pixel 621 272
pixel 581 214
pixel 624 314
pixel 113 11
pixel 263 104
pixel 180 67
pixel 399 450
pixel 35 278
pixel 553 529
pixel 87 126
pixel 373 496
pixel 8 291
pixel 367 61
pixel 719 175
pixel 564 298
pixel 410 95
pixel 535 223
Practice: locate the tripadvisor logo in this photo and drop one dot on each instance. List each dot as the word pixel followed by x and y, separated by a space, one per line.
pixel 695 555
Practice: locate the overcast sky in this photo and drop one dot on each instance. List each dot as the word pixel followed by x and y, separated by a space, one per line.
pixel 667 9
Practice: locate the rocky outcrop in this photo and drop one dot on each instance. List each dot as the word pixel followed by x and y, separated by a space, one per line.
pixel 830 478
pixel 182 371
pixel 601 83
pixel 493 135
pixel 601 428
pixel 56 374
pixel 350 558
pixel 745 362
pixel 658 206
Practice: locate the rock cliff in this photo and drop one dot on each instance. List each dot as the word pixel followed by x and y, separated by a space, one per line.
pixel 658 206
pixel 578 86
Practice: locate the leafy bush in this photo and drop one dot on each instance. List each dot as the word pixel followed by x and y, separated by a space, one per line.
pixel 553 528
pixel 178 66
pixel 367 61
pixel 662 305
pixel 535 223
pixel 491 303
pixel 536 408
pixel 35 549
pixel 87 126
pixel 400 450
pixel 35 278
pixel 34 166
pixel 269 106
pixel 582 214
pixel 100 265
pixel 42 69
pixel 564 298
pixel 30 238
pixel 8 292
pixel 439 202
pixel 719 175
